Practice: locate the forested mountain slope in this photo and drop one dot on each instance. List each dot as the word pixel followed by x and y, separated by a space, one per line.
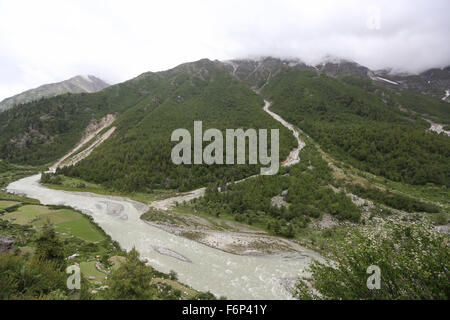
pixel 137 156
pixel 41 131
pixel 363 124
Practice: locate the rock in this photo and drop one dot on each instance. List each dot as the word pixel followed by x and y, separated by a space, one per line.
pixel 6 244
pixel 98 265
pixel 102 288
pixel 171 253
pixel 278 202
pixel 443 228
pixel 328 221
pixel 284 193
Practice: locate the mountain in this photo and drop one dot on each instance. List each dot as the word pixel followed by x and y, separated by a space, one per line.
pixel 137 156
pixel 78 84
pixel 256 72
pixel 335 67
pixel 334 103
pixel 434 82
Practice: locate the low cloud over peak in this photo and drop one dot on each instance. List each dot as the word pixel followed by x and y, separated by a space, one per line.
pixel 51 41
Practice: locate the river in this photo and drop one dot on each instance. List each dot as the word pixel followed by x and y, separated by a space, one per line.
pixel 202 267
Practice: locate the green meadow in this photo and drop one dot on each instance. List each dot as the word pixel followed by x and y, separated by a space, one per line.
pixel 67 222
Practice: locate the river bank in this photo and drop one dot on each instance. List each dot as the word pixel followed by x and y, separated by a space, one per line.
pixel 219 233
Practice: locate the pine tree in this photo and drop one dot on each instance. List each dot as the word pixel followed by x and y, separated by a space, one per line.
pixel 131 281
pixel 49 247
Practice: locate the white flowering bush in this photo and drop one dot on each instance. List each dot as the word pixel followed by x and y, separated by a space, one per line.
pixel 413 260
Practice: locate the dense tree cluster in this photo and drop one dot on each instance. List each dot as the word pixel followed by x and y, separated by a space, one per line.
pixel 50 178
pixel 398 152
pixel 41 276
pixel 305 188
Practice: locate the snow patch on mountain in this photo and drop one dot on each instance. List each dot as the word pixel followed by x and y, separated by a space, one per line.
pixel 386 80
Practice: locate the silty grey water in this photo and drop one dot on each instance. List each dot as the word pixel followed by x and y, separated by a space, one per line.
pixel 202 267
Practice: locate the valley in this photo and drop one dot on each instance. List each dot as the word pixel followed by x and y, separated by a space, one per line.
pixel 202 267
pixel 235 238
pixel 356 157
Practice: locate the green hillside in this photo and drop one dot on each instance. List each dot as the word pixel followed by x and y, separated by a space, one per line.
pixel 362 124
pixel 137 157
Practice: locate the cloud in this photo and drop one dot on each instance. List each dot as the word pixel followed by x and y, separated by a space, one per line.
pixel 48 41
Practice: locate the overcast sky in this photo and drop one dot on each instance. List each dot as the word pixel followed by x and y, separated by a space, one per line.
pixel 47 41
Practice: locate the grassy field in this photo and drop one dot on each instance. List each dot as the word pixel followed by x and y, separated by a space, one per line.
pixel 7 204
pixel 5 196
pixel 186 292
pixel 66 221
pixel 116 261
pixel 12 172
pixel 89 270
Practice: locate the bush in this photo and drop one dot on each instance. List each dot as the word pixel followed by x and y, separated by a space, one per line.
pixel 50 178
pixel 22 279
pixel 131 281
pixel 394 200
pixel 413 261
pixel 173 275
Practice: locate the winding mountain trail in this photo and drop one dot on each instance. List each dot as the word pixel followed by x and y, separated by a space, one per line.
pixel 294 155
